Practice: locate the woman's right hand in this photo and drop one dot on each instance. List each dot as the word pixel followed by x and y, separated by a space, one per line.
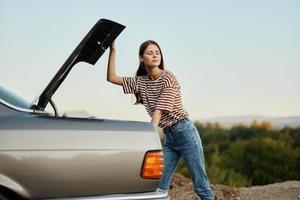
pixel 111 72
pixel 113 45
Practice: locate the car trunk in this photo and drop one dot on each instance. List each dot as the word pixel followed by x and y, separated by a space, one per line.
pixel 85 156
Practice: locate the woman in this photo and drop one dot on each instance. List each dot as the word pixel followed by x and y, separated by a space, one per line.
pixel 158 90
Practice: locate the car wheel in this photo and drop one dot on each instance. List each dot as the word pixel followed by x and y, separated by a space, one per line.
pixel 2 197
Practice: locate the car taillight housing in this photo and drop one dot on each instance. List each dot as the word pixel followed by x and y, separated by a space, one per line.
pixel 153 165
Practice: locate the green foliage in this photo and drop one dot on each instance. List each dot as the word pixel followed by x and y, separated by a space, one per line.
pixel 244 156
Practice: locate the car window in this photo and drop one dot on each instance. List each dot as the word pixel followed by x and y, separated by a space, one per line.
pixel 13 99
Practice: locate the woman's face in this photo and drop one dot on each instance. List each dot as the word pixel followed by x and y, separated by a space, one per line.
pixel 151 56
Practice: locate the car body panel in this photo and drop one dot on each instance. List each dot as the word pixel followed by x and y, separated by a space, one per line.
pixel 99 168
pixel 50 145
pixel 157 195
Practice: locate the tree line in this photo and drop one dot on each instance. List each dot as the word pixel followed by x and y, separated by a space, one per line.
pixel 244 156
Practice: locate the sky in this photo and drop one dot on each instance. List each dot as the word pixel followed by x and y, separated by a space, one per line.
pixel 231 58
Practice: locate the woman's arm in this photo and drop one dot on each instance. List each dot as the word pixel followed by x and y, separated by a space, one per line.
pixel 156 117
pixel 111 72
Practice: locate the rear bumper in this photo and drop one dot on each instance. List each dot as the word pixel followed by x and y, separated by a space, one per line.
pixel 157 195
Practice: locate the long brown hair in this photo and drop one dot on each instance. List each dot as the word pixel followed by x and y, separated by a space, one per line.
pixel 141 70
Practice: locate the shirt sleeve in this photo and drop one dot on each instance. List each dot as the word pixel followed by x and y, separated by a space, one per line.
pixel 130 85
pixel 166 99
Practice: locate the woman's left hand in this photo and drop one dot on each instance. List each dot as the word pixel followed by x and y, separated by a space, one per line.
pixel 156 117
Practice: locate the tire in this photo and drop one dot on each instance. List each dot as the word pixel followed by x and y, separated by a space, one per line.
pixel 2 197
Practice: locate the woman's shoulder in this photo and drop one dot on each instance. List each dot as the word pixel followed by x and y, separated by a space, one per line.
pixel 141 79
pixel 169 78
pixel 169 74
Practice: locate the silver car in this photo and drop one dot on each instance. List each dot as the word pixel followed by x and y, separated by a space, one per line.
pixel 47 156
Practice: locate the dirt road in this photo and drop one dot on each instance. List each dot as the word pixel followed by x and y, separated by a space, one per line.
pixel 182 189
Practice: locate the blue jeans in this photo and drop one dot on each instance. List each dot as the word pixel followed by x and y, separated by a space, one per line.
pixel 183 139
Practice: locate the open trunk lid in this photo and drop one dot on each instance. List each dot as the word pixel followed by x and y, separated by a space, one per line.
pixel 89 50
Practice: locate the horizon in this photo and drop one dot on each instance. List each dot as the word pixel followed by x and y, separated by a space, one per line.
pixel 228 121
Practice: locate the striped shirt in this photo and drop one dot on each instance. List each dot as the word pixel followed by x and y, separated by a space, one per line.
pixel 161 94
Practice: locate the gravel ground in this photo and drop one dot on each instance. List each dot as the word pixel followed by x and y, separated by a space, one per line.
pixel 182 189
pixel 289 190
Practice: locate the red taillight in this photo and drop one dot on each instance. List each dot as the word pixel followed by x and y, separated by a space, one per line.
pixel 153 165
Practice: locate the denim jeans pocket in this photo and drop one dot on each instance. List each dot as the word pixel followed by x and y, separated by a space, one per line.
pixel 182 125
pixel 183 134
